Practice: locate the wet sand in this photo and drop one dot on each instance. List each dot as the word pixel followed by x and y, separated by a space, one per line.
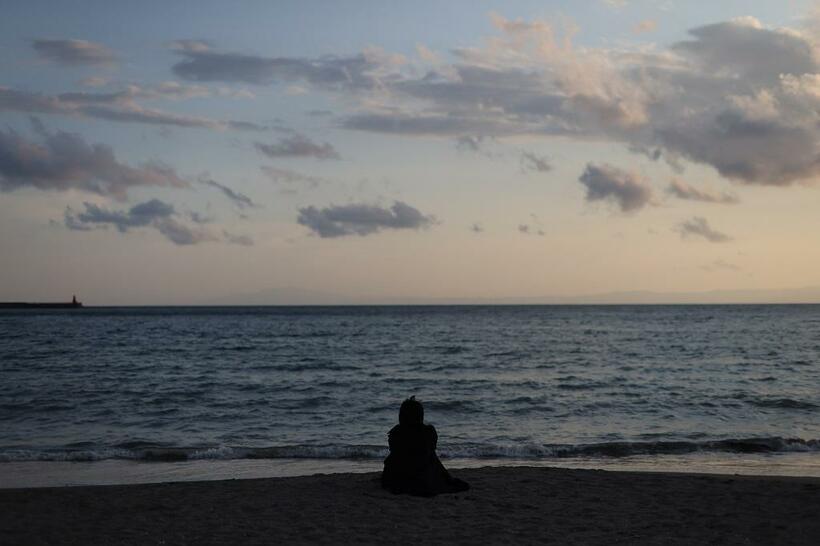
pixel 505 506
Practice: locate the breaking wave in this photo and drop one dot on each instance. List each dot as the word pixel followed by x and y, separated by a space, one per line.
pixel 148 453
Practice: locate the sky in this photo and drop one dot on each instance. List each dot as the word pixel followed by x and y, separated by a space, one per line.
pixel 374 152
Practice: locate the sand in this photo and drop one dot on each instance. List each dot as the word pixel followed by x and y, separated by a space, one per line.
pixel 505 506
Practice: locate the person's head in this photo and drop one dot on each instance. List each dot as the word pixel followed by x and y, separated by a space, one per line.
pixel 411 412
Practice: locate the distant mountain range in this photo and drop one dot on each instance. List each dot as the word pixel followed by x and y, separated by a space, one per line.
pixel 299 296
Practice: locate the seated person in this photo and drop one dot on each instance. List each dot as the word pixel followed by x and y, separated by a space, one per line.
pixel 412 465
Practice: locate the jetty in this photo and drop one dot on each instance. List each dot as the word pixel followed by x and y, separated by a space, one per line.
pixel 73 304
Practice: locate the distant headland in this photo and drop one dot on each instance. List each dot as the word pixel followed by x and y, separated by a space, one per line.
pixel 73 304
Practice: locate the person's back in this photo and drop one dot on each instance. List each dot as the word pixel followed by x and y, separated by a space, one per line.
pixel 412 465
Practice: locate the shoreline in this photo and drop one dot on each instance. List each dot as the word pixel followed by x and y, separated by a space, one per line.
pixel 30 474
pixel 505 504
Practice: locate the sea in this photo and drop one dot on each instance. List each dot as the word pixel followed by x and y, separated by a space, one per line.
pixel 104 395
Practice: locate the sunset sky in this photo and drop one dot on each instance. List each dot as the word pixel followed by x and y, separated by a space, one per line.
pixel 198 152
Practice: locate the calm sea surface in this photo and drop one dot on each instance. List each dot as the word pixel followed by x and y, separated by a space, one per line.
pixel 531 383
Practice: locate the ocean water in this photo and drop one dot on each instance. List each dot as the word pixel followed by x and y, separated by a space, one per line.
pixel 317 388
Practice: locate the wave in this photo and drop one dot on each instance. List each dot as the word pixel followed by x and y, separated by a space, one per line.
pixel 139 451
pixel 451 349
pixel 785 403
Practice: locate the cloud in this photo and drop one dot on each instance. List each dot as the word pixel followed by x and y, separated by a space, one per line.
pixel 647 25
pixel 721 265
pixel 423 124
pixel 682 190
pixel 287 176
pixel 744 48
pixel 201 63
pixel 361 219
pixel 766 152
pixel 138 216
pixel 298 145
pixel 190 45
pixel 318 113
pixel 239 199
pixel 469 143
pixel 736 96
pixel 152 214
pixel 182 234
pixel 62 161
pixel 526 229
pixel 699 227
pixel 169 90
pixel 607 183
pixel 478 144
pixel 533 162
pixel 73 52
pixel 120 106
pixel 242 240
pixel 94 81
pixel 199 218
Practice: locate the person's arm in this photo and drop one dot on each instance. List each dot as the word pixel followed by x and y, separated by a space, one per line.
pixel 436 461
pixel 433 438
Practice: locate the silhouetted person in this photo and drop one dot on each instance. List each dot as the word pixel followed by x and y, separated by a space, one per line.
pixel 413 466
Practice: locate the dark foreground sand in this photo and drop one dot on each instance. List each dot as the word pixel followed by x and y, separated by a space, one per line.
pixel 505 506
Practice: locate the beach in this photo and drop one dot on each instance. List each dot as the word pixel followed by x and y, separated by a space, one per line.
pixel 513 505
pixel 574 425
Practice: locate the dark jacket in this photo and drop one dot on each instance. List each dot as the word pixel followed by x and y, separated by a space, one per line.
pixel 412 465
